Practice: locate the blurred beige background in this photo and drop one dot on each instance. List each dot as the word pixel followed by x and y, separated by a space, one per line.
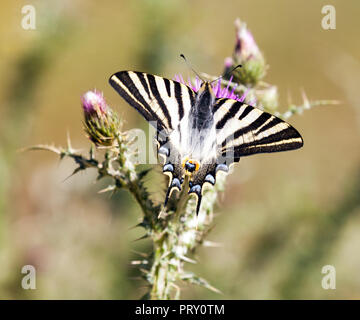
pixel 282 216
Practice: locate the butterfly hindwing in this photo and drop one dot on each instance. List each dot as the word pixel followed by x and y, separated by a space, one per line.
pixel 244 130
pixel 171 165
pixel 158 100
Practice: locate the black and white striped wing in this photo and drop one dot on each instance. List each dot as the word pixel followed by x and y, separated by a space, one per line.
pixel 243 130
pixel 161 101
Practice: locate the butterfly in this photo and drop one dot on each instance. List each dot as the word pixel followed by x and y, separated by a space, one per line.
pixel 199 135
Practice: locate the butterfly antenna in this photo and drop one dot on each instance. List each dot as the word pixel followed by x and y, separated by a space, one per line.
pixel 227 73
pixel 191 68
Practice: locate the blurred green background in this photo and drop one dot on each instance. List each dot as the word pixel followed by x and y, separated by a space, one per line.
pixel 283 216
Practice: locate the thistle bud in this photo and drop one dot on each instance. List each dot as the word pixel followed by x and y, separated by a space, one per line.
pixel 247 54
pixel 93 102
pixel 101 123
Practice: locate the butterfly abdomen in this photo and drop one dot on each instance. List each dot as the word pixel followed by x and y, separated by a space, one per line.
pixel 202 134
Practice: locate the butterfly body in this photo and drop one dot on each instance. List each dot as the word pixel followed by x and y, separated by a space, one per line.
pixel 202 132
pixel 199 134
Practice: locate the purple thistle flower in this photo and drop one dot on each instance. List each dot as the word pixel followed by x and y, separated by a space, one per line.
pixel 93 102
pixel 101 124
pixel 248 54
pixel 245 47
pixel 216 86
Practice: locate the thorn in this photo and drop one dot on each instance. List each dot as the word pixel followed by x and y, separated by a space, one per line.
pixel 74 172
pixel 141 224
pixel 138 262
pixel 164 255
pixel 70 149
pixel 146 286
pixel 68 141
pixel 334 102
pixel 162 213
pixel 137 278
pixel 210 287
pixel 144 270
pixel 212 244
pixel 188 259
pixel 42 147
pixel 92 152
pixel 107 189
pixel 191 278
pixel 141 254
pixel 177 288
pixel 112 193
pixel 132 141
pixel 289 98
pixel 306 100
pixel 141 238
pixel 99 177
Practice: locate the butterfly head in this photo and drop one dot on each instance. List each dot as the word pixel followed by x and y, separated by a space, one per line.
pixel 205 87
pixel 206 94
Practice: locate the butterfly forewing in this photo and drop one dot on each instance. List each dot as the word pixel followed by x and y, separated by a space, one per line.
pixel 158 100
pixel 244 130
pixel 166 104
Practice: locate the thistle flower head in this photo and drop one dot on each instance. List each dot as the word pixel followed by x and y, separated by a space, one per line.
pixel 247 54
pixel 245 47
pixel 220 92
pixel 101 123
pixel 93 102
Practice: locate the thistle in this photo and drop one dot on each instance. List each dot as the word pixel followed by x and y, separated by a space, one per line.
pixel 248 54
pixel 219 89
pixel 101 124
pixel 180 232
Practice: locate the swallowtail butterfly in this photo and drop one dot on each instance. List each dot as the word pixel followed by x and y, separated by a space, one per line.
pixel 197 133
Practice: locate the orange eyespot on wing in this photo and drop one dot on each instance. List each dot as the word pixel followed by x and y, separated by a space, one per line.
pixel 190 165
